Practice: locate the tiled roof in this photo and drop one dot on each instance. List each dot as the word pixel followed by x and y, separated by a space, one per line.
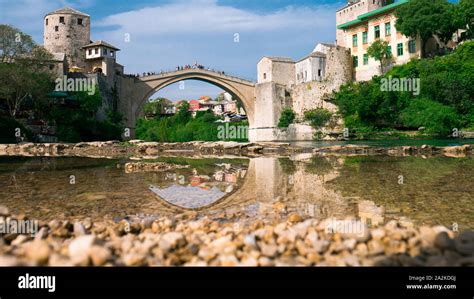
pixel 101 43
pixel 68 10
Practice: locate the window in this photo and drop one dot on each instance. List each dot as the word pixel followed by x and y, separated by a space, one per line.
pixel 354 40
pixel 364 37
pixel 319 72
pixel 61 20
pixel 46 22
pixel 111 53
pixel 96 50
pixel 105 51
pixel 305 75
pixel 412 46
pixel 90 51
pixel 366 59
pixel 79 21
pixel 388 29
pixel 355 61
pixel 56 28
pixel 400 49
pixel 390 51
pixel 264 76
pixel 377 31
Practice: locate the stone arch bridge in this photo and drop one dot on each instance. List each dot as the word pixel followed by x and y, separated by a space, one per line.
pixel 135 92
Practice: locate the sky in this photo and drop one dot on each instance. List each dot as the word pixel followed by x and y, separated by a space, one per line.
pixel 227 35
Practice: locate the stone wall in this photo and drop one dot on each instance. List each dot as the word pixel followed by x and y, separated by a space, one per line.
pixel 315 94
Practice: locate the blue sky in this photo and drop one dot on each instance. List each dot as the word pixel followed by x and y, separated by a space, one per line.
pixel 164 34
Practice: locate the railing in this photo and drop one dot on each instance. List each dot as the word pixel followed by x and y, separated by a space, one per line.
pixel 168 72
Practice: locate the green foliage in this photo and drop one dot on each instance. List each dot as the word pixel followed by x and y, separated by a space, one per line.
pixel 446 97
pixel 435 117
pixel 156 106
pixel 317 117
pixel 79 123
pixel 182 127
pixel 24 71
pixel 287 117
pixel 380 51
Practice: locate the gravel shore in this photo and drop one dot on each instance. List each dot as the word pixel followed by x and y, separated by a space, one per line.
pixel 191 241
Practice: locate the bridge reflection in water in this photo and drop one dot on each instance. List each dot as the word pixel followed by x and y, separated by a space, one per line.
pixel 301 186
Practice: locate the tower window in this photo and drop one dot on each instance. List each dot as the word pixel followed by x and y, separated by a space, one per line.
pixel 319 72
pixel 61 20
pixel 56 28
pixel 264 76
pixel 46 22
pixel 79 21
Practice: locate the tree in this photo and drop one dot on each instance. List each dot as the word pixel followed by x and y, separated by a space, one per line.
pixel 380 51
pixel 426 19
pixel 24 69
pixel 14 43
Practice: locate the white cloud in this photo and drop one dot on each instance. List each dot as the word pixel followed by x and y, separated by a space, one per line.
pixel 206 17
pixel 182 32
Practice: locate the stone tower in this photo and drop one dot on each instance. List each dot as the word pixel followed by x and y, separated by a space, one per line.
pixel 66 31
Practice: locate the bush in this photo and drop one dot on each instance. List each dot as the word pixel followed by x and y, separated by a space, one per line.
pixel 287 117
pixel 317 117
pixel 435 117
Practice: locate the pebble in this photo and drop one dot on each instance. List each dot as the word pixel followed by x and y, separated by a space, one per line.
pixel 4 211
pixel 183 240
pixel 99 255
pixel 38 252
pixel 79 249
pixel 79 229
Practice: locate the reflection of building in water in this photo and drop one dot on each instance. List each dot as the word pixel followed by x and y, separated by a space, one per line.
pixel 302 187
pixel 370 213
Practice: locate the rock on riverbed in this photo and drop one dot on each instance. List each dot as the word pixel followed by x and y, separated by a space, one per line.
pixel 204 241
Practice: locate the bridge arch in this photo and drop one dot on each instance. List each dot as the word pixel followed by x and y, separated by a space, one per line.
pixel 144 87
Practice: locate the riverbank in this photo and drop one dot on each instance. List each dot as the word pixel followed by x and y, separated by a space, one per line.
pixel 188 240
pixel 143 150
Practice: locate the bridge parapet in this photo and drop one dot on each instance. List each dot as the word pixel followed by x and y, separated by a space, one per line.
pixel 222 75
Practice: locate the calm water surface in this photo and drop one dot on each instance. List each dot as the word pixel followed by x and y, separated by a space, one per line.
pixel 434 190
